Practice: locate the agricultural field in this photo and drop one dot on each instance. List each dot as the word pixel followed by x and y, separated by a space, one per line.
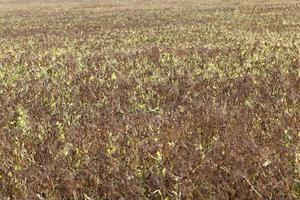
pixel 149 99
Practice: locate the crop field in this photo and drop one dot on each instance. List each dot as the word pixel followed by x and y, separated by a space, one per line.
pixel 149 99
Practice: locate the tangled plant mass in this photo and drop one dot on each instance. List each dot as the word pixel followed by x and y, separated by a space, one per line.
pixel 149 99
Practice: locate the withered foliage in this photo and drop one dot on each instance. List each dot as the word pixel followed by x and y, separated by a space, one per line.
pixel 133 100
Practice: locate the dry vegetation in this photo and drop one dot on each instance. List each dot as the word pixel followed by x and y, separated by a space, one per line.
pixel 149 100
